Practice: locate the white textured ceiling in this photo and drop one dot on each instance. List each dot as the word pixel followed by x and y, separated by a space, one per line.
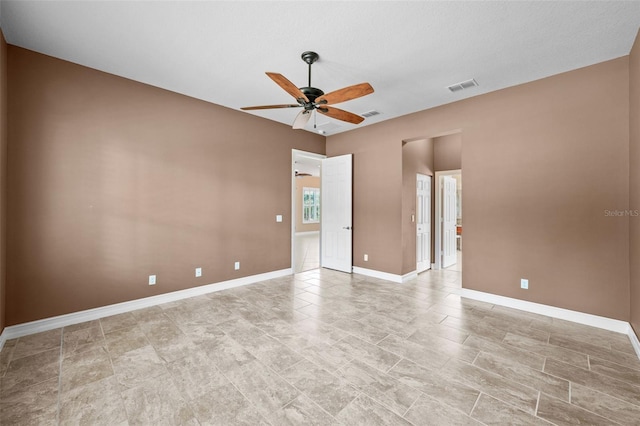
pixel 409 51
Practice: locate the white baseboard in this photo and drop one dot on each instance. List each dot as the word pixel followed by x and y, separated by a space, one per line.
pixel 409 276
pixel 385 275
pixel 550 311
pixel 560 313
pixel 46 324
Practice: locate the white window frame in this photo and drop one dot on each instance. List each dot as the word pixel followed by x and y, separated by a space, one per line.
pixel 314 207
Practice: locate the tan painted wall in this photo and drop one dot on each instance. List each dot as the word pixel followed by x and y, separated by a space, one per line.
pixel 3 177
pixel 634 183
pixel 305 182
pixel 377 205
pixel 112 180
pixel 447 152
pixel 417 157
pixel 542 161
pixel 100 195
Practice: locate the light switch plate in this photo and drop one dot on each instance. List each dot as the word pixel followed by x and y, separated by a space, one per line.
pixel 279 218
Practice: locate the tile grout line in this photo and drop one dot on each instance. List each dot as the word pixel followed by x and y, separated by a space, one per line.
pixel 282 378
pixel 475 359
pixel 442 320
pixel 594 390
pixel 10 357
pixel 111 363
pixel 359 392
pixel 606 394
pixel 383 404
pixel 277 374
pixel 475 404
pixel 304 393
pixel 411 406
pixel 477 388
pixel 241 393
pixel 347 406
pixel 589 410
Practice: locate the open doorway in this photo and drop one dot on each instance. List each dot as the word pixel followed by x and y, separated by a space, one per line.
pixel 448 219
pixel 305 210
pixel 447 194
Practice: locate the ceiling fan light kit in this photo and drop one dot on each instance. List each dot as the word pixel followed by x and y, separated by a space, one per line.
pixel 313 99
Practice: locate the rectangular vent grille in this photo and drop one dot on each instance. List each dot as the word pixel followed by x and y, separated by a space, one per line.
pixel 462 85
pixel 370 113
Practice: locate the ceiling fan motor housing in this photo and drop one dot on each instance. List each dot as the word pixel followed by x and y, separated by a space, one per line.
pixel 311 93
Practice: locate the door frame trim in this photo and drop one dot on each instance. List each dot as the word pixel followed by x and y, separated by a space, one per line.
pixel 437 264
pixel 415 222
pixel 325 189
pixel 295 154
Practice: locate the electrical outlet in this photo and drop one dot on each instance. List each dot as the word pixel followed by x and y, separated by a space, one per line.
pixel 524 283
pixel 366 257
pixel 278 218
pixel 152 280
pixel 198 272
pixel 237 266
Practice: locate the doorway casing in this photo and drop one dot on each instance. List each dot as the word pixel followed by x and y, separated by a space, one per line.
pixel 297 154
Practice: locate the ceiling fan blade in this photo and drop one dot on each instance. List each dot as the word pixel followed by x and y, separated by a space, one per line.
pixel 270 107
pixel 302 119
pixel 340 114
pixel 288 86
pixel 345 94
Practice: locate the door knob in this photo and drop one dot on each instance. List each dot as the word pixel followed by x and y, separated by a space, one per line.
pixel 346 227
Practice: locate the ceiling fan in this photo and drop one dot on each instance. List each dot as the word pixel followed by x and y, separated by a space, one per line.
pixel 311 98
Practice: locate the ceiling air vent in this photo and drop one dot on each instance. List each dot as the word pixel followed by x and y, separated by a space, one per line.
pixel 462 85
pixel 370 114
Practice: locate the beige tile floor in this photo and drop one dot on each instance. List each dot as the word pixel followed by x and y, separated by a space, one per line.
pixel 307 251
pixel 323 348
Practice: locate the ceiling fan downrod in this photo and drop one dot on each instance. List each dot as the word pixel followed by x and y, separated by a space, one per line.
pixel 309 57
pixel 312 93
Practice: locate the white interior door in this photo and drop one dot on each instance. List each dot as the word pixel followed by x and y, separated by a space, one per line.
pixel 336 206
pixel 449 255
pixel 423 223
